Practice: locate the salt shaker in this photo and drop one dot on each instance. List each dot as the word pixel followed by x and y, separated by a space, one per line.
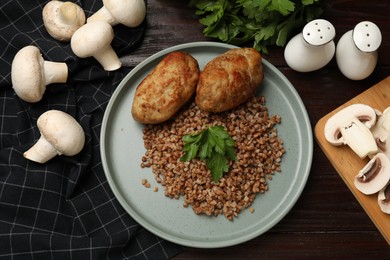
pixel 313 48
pixel 357 50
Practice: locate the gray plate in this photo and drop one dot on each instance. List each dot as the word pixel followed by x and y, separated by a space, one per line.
pixel 122 149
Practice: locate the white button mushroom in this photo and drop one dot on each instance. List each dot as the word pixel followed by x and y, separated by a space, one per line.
pixel 351 126
pixel 374 175
pixel 381 132
pixel 127 12
pixel 62 19
pixel 94 40
pixel 60 134
pixel 30 74
pixel 384 199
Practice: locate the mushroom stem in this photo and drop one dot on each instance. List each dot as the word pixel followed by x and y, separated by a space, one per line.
pixel 41 151
pixel 108 59
pixel 359 138
pixel 68 12
pixel 62 19
pixel 55 72
pixel 103 15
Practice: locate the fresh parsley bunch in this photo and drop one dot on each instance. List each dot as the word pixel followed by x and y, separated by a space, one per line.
pixel 213 145
pixel 263 22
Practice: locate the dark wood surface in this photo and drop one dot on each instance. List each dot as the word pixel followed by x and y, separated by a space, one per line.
pixel 327 221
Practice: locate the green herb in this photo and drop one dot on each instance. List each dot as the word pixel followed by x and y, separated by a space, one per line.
pixel 262 22
pixel 213 145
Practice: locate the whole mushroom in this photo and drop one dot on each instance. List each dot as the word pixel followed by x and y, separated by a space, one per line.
pixel 94 40
pixel 351 126
pixel 127 12
pixel 62 19
pixel 30 74
pixel 60 134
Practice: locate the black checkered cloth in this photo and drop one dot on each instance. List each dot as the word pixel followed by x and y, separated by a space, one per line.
pixel 63 209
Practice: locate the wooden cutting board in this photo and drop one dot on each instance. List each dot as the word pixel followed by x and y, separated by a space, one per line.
pixel 347 163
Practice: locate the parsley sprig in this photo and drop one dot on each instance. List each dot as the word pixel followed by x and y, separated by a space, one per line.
pixel 213 145
pixel 263 22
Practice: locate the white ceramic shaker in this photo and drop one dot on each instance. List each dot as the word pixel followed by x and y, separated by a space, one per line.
pixel 313 48
pixel 357 50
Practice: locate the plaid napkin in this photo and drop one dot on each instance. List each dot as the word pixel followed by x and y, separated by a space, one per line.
pixel 63 209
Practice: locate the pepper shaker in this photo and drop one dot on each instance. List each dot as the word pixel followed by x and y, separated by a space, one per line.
pixel 357 50
pixel 313 48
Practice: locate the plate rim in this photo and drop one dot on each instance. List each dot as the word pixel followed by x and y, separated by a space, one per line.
pixel 165 235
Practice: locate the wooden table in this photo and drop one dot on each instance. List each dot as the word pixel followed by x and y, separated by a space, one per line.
pixel 327 221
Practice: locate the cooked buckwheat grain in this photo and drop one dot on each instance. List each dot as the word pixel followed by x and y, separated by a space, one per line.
pixel 258 149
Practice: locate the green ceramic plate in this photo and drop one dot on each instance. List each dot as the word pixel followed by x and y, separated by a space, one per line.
pixel 122 149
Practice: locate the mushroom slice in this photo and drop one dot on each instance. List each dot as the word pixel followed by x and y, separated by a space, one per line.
pixel 62 19
pixel 30 74
pixel 130 13
pixel 351 126
pixel 381 132
pixel 94 40
pixel 384 199
pixel 374 175
pixel 60 134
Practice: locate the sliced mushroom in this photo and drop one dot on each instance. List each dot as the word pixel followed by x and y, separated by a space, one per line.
pixel 384 199
pixel 351 126
pixel 30 74
pixel 381 132
pixel 374 175
pixel 62 19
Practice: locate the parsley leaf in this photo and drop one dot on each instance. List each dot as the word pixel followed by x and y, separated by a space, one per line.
pixel 282 6
pixel 262 22
pixel 191 146
pixel 213 145
pixel 217 164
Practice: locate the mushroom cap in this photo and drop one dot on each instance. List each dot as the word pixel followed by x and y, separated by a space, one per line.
pixel 27 74
pixel 380 178
pixel 128 12
pixel 62 131
pixel 62 19
pixel 91 38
